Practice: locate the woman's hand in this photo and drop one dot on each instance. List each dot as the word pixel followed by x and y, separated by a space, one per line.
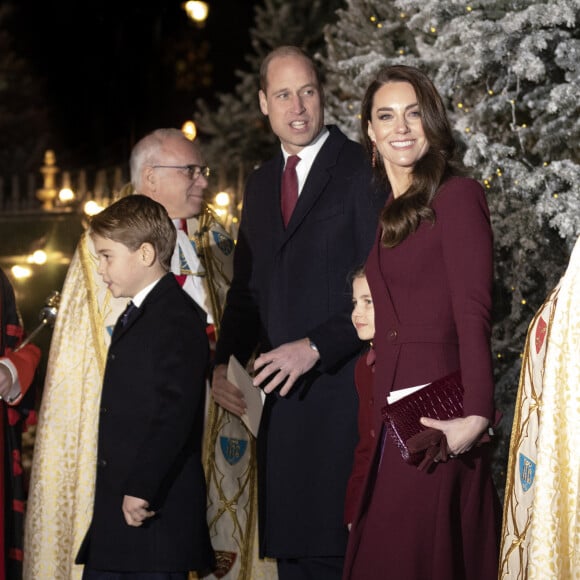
pixel 461 433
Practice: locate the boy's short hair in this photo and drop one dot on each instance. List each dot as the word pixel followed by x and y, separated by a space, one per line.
pixel 135 220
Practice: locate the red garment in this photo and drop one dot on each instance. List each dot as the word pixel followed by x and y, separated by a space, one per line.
pixel 12 422
pixel 181 278
pixel 432 299
pixel 363 378
pixel 289 189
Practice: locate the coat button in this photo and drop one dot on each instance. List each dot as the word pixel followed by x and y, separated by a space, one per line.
pixel 102 463
pixel 392 334
pixel 103 410
pixel 373 433
pixel 111 356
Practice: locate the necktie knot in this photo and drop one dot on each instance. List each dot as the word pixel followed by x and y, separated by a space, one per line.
pixel 292 162
pixel 289 192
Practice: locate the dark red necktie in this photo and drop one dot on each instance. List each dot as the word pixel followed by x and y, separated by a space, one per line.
pixel 289 195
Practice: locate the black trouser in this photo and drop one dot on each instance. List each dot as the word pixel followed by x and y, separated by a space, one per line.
pixel 90 574
pixel 310 568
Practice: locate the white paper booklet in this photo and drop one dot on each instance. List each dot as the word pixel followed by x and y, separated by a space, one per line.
pixel 254 396
pixel 401 393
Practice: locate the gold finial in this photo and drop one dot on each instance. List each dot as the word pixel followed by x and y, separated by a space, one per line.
pixel 47 194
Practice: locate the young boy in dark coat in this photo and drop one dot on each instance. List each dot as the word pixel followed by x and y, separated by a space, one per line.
pixel 149 514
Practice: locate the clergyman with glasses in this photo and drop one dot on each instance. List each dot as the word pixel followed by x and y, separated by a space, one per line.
pixel 170 169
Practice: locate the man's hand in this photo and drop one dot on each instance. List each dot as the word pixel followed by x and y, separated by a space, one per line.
pixel 136 510
pixel 287 362
pixel 462 433
pixel 5 381
pixel 226 394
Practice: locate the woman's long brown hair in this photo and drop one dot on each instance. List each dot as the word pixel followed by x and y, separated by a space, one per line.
pixel 404 214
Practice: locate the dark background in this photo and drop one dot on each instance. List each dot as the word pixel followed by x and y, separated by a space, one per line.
pixel 93 79
pixel 114 70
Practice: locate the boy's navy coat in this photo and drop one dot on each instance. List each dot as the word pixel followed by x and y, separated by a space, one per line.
pixel 150 431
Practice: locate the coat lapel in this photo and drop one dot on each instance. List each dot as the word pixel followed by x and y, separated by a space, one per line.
pixel 157 290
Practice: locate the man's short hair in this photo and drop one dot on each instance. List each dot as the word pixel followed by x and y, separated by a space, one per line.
pixel 135 220
pixel 287 50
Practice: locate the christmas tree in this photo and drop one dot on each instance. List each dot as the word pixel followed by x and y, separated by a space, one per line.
pixel 509 72
pixel 365 36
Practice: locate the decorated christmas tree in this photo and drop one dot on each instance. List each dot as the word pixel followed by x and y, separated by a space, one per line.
pixel 509 71
pixel 365 36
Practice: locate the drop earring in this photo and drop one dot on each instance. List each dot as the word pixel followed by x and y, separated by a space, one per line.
pixel 374 155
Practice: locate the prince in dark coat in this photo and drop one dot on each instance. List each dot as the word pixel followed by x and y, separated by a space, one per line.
pixel 290 303
pixel 291 283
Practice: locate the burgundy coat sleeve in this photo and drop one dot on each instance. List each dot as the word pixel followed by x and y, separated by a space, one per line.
pixel 467 247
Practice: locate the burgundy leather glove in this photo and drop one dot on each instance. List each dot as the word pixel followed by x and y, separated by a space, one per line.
pixel 432 443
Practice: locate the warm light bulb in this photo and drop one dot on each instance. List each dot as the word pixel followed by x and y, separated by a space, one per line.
pixel 92 208
pixel 189 130
pixel 196 10
pixel 222 199
pixel 21 272
pixel 38 257
pixel 66 194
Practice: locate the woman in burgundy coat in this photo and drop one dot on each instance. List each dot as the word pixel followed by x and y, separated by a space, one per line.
pixel 430 274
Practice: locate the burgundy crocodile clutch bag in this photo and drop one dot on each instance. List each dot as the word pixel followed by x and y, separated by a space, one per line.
pixel 442 399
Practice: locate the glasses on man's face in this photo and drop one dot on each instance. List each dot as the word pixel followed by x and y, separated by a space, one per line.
pixel 193 172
